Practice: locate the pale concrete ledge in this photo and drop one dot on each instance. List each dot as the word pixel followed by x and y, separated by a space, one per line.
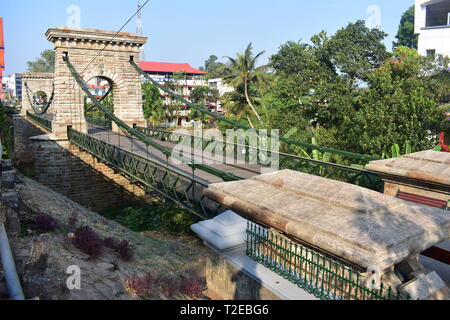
pixel 428 166
pixel 356 224
pixel 232 274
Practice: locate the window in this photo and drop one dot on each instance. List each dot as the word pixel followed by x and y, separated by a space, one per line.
pixel 438 14
pixel 431 53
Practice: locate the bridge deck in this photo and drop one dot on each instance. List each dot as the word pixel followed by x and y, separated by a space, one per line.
pixel 139 148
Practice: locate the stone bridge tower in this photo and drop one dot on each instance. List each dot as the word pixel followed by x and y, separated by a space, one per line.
pixel 35 82
pixel 112 64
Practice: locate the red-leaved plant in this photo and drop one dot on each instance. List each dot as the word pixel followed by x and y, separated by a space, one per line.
pixel 88 242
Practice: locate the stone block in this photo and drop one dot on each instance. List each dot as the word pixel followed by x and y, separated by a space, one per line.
pixel 8 179
pixel 6 165
pixel 226 231
pixel 424 286
pixel 357 224
pixel 11 200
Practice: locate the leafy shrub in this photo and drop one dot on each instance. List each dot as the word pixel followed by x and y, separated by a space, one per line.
pixel 45 223
pixel 169 287
pixel 111 243
pixel 154 218
pixel 150 284
pixel 88 242
pixel 122 248
pixel 139 286
pixel 125 251
pixel 192 288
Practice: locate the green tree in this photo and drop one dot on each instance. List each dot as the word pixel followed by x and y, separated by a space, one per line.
pixel 357 50
pixel 153 104
pixel 45 63
pixel 214 68
pixel 236 105
pixel 242 72
pixel 405 35
pixel 396 108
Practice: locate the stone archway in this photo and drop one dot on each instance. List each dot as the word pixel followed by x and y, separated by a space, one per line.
pixel 83 46
pixel 36 81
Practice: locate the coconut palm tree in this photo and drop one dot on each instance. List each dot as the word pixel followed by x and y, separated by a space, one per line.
pixel 242 71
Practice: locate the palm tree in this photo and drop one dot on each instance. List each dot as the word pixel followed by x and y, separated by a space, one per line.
pixel 235 103
pixel 242 71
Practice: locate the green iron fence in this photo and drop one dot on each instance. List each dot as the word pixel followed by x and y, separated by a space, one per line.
pixel 185 190
pixel 323 276
pixel 43 122
pixel 263 157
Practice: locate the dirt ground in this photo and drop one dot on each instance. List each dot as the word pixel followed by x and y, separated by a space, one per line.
pixel 43 259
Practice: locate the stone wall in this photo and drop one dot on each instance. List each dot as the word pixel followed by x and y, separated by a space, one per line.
pixel 23 130
pixel 232 283
pixel 62 167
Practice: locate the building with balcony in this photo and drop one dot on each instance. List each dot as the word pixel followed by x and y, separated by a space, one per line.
pixel 183 78
pixel 432 24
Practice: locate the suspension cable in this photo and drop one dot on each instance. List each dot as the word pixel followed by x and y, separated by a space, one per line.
pixel 107 43
pixel 351 155
pixel 226 176
pixel 45 108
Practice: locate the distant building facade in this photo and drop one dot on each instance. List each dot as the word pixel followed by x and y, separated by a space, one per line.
pixel 432 24
pixel 222 87
pixel 163 73
pixel 12 86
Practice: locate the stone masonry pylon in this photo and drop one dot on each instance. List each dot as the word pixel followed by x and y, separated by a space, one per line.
pixel 82 46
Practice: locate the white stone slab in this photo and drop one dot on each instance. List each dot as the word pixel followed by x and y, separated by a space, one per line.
pixel 424 286
pixel 225 232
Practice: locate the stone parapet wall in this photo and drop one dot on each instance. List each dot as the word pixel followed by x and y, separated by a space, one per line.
pixel 23 130
pixel 62 167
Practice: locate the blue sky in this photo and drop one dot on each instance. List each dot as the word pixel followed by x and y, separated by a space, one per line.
pixel 191 31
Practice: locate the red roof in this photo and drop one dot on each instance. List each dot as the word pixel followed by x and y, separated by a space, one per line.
pixel 168 67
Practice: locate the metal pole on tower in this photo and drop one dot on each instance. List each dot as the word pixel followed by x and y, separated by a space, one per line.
pixel 139 30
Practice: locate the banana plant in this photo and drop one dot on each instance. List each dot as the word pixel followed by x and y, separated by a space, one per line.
pixel 315 155
pixel 397 153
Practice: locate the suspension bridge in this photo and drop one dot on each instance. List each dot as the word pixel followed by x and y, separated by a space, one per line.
pixel 145 155
pixel 149 157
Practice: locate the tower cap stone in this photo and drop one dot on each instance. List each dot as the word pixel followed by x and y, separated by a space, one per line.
pixel 94 35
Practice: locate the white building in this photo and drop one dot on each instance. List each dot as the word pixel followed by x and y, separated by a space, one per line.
pixel 222 87
pixel 12 86
pixel 432 24
pixel 164 72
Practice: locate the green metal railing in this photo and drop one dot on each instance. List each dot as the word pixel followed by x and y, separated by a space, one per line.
pixel 183 189
pixel 323 276
pixel 225 176
pixel 290 142
pixel 104 123
pixel 45 123
pixel 261 157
